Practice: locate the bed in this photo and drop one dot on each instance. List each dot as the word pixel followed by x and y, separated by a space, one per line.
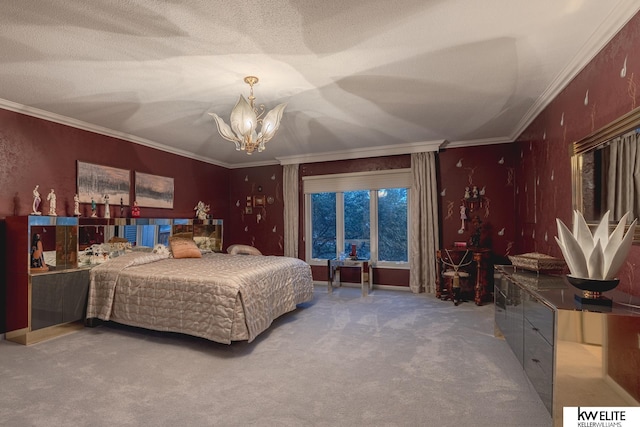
pixel 219 297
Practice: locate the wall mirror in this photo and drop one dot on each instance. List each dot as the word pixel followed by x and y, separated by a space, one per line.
pixel 606 171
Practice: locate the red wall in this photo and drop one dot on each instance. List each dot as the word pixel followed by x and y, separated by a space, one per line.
pixel 603 91
pixel 35 151
pixel 490 167
pixel 262 227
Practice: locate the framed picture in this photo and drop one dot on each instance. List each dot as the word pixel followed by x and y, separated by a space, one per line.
pixel 259 201
pixel 96 181
pixel 248 210
pixel 154 191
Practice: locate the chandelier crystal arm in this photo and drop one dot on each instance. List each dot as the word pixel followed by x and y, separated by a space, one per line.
pixel 271 122
pixel 225 131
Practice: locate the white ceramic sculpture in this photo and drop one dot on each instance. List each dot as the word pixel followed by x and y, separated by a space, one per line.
pixel 598 255
pixel 36 201
pixel 51 197
pixel 202 210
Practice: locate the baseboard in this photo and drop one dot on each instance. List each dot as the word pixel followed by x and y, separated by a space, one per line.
pixel 322 284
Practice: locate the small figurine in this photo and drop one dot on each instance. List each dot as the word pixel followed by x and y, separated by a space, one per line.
pixel 76 205
pixel 135 210
pixel 51 197
pixel 121 208
pixel 36 201
pixel 94 213
pixel 107 211
pixel 474 192
pixel 467 194
pixel 463 216
pixel 202 210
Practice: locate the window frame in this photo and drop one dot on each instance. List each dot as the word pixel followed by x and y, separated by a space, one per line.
pixel 350 182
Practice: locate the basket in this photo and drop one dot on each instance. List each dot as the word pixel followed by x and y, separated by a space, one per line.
pixel 540 263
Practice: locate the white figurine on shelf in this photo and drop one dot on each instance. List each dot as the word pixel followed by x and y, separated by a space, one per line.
pixel 36 201
pixel 51 197
pixel 202 210
pixel 76 205
pixel 107 211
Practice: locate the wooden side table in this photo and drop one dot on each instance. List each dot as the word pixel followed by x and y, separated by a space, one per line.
pixel 366 273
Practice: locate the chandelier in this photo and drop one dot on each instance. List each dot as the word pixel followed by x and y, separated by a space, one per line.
pixel 245 118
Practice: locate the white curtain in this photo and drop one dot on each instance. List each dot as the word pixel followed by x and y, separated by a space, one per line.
pixel 290 193
pixel 622 176
pixel 424 240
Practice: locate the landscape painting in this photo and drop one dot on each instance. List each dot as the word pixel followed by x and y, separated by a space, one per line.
pixel 96 181
pixel 154 191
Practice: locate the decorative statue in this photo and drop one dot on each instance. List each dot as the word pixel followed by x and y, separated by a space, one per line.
pixel 36 201
pixel 135 209
pixel 76 205
pixel 463 216
pixel 202 210
pixel 467 194
pixel 51 197
pixel 121 208
pixel 94 213
pixel 107 211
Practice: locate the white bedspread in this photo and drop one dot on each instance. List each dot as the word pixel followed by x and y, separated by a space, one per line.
pixel 197 296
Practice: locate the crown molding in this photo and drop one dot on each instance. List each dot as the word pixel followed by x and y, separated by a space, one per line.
pixel 361 153
pixel 78 124
pixel 602 35
pixel 477 142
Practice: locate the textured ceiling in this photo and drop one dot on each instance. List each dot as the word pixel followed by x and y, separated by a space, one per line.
pixel 361 77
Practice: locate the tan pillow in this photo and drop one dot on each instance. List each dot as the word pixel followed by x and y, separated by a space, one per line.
pixel 184 248
pixel 243 250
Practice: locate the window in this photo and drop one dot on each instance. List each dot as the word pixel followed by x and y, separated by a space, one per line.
pixel 374 220
pixel 393 225
pixel 323 225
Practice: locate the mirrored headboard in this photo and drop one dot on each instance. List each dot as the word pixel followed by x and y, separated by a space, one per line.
pixel 603 167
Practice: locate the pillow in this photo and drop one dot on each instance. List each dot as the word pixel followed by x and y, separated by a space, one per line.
pixel 157 249
pixel 184 248
pixel 243 250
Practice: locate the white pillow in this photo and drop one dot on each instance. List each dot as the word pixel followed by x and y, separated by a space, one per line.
pixel 243 250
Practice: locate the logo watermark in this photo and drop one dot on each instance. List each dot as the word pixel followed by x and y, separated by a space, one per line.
pixel 601 416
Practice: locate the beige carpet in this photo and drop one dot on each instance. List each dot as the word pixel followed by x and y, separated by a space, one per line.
pixel 390 359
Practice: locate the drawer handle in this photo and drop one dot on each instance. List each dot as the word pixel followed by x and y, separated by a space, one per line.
pixel 535 360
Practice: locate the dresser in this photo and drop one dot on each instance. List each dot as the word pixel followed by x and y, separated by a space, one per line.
pixel 573 354
pixel 48 298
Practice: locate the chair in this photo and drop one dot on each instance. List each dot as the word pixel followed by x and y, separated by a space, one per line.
pixel 453 276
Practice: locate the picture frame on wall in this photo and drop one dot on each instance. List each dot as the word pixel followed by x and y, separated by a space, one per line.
pixel 154 191
pixel 95 181
pixel 259 201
